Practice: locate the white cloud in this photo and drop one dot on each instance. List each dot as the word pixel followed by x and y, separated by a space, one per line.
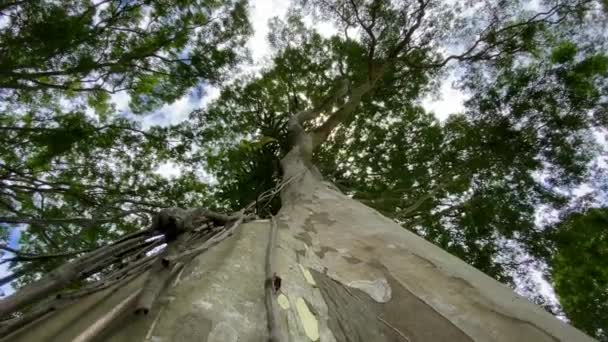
pixel 211 94
pixel 260 12
pixel 448 101
pixel 5 21
pixel 326 29
pixel 168 170
pixel 121 101
pixel 170 114
pixel 7 289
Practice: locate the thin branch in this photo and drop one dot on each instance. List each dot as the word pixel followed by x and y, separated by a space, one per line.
pixel 19 256
pixel 15 275
pixel 9 249
pixel 73 220
pixel 321 133
pixel 469 55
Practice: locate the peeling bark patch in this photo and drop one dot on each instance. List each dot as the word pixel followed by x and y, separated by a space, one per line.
pixel 222 332
pixel 375 263
pixel 526 330
pixel 378 289
pixel 309 225
pixel 309 321
pixel 352 259
pixel 191 327
pixel 283 301
pixel 282 225
pixel 354 316
pixel 307 276
pixel 300 253
pixel 425 261
pixel 461 284
pixel 322 218
pixel 325 249
pixel 304 237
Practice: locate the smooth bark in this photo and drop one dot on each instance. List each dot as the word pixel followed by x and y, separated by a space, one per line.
pixel 348 274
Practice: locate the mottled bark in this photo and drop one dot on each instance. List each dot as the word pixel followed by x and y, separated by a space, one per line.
pixel 374 280
pixel 347 274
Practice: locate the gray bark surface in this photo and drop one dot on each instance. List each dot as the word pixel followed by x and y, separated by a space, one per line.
pixel 348 274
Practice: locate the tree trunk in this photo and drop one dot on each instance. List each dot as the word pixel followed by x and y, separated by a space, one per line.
pixel 348 274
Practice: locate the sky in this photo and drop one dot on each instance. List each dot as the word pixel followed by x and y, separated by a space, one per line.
pixel 449 100
pixel 13 242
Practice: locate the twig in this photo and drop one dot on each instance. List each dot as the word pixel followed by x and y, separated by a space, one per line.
pixel 117 277
pixel 33 257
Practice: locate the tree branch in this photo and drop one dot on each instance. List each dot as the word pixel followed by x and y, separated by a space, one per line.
pixel 19 256
pixel 321 133
pixel 74 220
pixel 61 276
pixel 335 94
pixel 468 54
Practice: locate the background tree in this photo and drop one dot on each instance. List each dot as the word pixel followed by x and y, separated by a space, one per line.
pixel 155 50
pixel 580 284
pixel 75 176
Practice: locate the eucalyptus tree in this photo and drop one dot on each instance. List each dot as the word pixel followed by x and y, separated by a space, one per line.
pixel 328 267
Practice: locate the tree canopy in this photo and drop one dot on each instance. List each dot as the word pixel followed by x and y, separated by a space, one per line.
pixel 581 284
pixel 75 174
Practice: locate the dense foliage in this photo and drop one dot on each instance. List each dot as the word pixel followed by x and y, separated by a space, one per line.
pixel 580 268
pixel 75 174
